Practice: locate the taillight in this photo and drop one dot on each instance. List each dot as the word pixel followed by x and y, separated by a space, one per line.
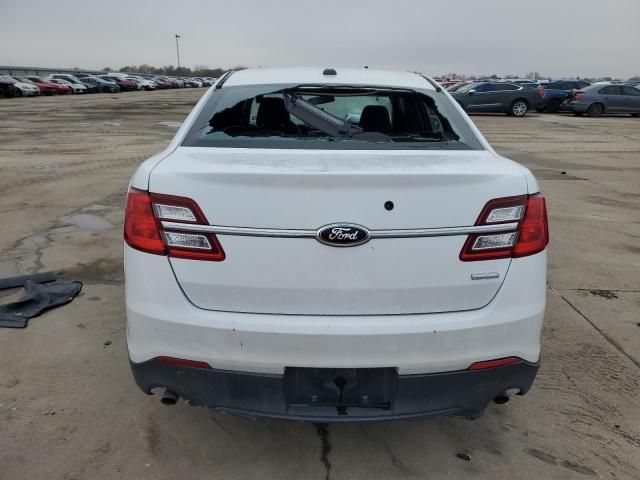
pixel 578 95
pixel 143 228
pixel 140 226
pixel 530 234
pixel 541 92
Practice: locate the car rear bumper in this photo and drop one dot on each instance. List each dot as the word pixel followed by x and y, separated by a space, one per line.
pixel 460 393
pixel 162 322
pixel 574 107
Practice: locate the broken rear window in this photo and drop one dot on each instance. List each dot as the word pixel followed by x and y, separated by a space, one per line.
pixel 341 117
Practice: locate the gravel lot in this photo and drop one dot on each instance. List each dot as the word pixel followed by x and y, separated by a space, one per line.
pixel 69 408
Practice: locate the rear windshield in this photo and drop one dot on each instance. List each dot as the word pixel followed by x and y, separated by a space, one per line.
pixel 330 117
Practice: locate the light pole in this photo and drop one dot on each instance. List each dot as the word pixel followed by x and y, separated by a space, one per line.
pixel 178 51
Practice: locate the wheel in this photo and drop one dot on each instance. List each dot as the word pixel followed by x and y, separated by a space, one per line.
pixel 635 115
pixel 18 92
pixel 519 108
pixel 595 110
pixel 552 106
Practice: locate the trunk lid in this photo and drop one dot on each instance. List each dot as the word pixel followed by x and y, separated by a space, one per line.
pixel 307 189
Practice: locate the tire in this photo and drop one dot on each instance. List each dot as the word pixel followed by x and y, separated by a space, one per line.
pixel 578 114
pixel 18 92
pixel 519 108
pixel 636 115
pixel 540 110
pixel 552 106
pixel 595 110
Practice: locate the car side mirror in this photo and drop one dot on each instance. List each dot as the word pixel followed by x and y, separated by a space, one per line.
pixel 471 92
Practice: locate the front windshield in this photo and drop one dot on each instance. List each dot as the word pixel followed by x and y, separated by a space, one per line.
pixel 321 116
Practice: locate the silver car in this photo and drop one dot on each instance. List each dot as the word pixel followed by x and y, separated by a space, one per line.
pixel 600 98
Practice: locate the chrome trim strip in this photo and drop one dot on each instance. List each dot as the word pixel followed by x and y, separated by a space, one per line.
pixel 289 233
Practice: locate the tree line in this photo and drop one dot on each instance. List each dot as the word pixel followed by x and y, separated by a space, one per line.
pixel 197 71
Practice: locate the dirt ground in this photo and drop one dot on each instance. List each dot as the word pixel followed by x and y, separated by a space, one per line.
pixel 69 408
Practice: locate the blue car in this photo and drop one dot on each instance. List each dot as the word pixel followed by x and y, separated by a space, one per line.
pixel 558 91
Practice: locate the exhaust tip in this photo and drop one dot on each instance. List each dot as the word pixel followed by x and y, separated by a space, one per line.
pixel 169 397
pixel 501 399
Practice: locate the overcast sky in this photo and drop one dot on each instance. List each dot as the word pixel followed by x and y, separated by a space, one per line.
pixel 553 37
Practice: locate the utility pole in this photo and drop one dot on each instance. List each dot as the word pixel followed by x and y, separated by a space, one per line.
pixel 178 51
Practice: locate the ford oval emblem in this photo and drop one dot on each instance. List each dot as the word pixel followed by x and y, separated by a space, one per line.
pixel 343 235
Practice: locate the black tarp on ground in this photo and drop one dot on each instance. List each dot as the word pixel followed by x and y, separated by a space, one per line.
pixel 37 299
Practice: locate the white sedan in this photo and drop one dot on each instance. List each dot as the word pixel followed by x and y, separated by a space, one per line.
pixel 331 245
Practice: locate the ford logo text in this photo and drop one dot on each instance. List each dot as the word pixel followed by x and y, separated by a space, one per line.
pixel 343 235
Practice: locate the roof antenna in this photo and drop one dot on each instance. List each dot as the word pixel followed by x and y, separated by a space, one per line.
pixel 366 66
pixel 329 71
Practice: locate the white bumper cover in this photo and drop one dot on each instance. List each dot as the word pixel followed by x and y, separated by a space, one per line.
pixel 162 322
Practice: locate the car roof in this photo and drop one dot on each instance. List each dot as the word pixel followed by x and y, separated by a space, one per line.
pixel 344 76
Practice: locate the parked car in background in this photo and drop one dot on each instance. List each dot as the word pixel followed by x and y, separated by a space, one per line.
pixel 143 83
pixel 103 85
pixel 172 82
pixel 57 88
pixel 7 87
pixel 89 88
pixel 22 89
pixel 525 82
pixel 75 87
pixel 192 82
pixel 601 98
pixel 124 84
pixel 43 89
pixel 162 83
pixel 498 97
pixel 457 86
pixel 557 91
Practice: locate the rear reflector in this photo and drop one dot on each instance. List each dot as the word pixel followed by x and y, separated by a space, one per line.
pixel 143 227
pixel 181 362
pixel 531 235
pixel 501 362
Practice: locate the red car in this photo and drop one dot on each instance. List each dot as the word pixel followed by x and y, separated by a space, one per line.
pixel 162 84
pixel 46 88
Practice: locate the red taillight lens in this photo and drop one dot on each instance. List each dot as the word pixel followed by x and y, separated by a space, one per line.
pixel 534 229
pixel 541 92
pixel 577 95
pixel 140 226
pixel 501 362
pixel 531 235
pixel 143 228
